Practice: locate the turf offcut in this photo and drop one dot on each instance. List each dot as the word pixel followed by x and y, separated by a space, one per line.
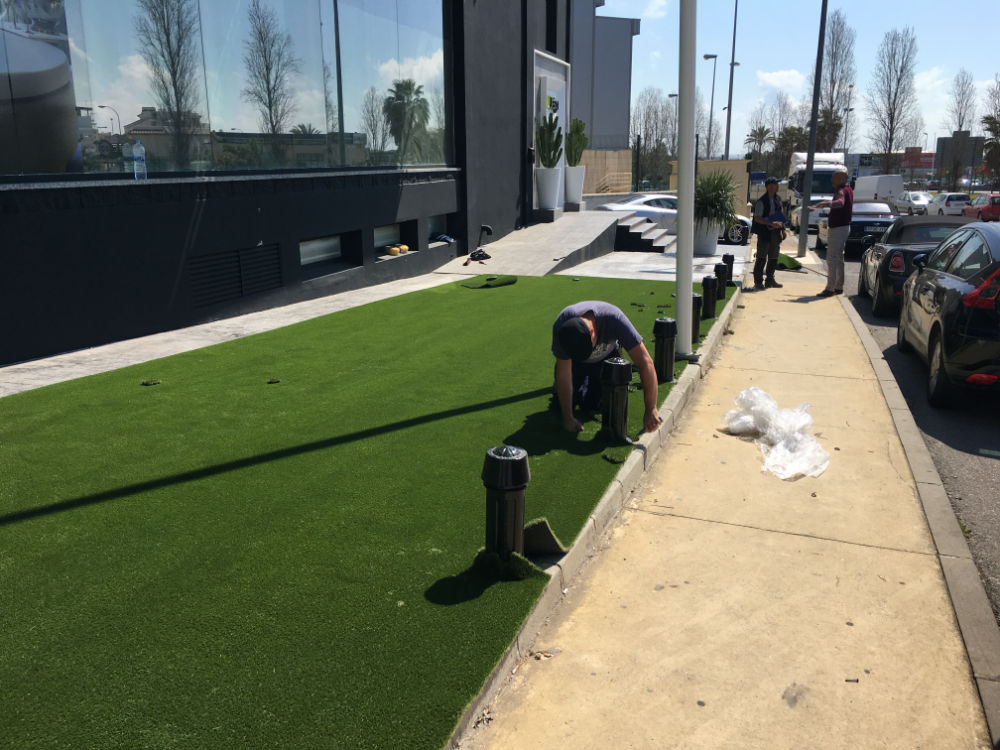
pixel 268 543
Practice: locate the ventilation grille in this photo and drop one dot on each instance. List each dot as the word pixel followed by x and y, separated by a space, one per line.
pixel 227 276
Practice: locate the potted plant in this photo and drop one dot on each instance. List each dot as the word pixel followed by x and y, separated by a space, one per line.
pixel 548 148
pixel 714 210
pixel 576 142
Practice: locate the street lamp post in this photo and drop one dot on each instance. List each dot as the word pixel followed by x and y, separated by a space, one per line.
pixel 711 105
pixel 732 69
pixel 108 106
pixel 847 114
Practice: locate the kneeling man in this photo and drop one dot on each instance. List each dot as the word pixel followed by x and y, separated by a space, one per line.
pixel 583 336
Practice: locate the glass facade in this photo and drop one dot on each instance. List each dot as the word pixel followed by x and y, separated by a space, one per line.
pixel 220 85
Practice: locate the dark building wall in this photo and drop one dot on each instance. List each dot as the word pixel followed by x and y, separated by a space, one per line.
pixel 87 264
pixel 612 81
pixel 493 97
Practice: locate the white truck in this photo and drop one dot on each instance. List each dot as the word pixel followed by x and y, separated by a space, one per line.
pixel 886 188
pixel 824 165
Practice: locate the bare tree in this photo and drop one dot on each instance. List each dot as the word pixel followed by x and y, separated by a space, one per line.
pixel 991 102
pixel 168 35
pixel 375 126
pixel 646 130
pixel 668 125
pixel 892 99
pixel 961 112
pixel 782 112
pixel 270 64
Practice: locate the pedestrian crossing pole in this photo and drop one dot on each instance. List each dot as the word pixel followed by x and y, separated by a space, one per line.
pixel 685 174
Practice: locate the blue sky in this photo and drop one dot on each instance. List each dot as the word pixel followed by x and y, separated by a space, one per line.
pixel 776 49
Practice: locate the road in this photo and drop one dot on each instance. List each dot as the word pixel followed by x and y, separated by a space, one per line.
pixel 964 441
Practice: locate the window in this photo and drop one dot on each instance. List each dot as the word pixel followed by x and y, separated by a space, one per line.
pixel 972 258
pixel 946 251
pixel 210 105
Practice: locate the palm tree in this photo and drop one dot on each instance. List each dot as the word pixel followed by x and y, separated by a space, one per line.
pixel 304 129
pixel 759 137
pixel 991 147
pixel 407 111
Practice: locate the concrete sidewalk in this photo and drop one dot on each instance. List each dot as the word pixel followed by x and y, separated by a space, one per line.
pixel 732 609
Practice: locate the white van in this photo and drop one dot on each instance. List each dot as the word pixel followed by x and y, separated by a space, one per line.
pixel 880 187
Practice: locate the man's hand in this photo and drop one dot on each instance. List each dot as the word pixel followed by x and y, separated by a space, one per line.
pixel 651 420
pixel 777 225
pixel 572 425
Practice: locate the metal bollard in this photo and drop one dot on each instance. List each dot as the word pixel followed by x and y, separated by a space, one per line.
pixel 721 276
pixel 729 259
pixel 616 374
pixel 708 290
pixel 505 475
pixel 665 334
pixel 695 317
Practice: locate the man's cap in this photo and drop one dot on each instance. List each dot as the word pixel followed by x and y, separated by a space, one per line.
pixel 770 181
pixel 574 339
pixel 840 169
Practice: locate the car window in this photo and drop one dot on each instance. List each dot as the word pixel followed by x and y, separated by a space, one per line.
pixel 924 233
pixel 670 202
pixel 946 251
pixel 972 258
pixel 959 197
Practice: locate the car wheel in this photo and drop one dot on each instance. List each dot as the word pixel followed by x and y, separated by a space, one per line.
pixel 737 234
pixel 820 245
pixel 901 343
pixel 939 389
pixel 980 215
pixel 940 212
pixel 881 305
pixel 909 212
pixel 862 288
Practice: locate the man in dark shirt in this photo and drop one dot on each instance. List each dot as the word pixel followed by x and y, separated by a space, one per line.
pixel 768 225
pixel 841 210
pixel 583 336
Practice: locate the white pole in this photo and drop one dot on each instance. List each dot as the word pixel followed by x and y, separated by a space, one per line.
pixel 685 173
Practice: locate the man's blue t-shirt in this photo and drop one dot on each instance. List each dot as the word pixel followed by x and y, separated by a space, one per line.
pixel 611 325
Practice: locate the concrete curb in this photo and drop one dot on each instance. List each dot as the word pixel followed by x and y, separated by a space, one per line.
pixel 608 508
pixel 968 597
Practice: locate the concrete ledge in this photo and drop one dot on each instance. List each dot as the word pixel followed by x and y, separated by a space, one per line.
pixel 546 215
pixel 607 509
pixel 972 607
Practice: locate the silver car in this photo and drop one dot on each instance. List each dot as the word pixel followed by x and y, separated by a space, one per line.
pixel 948 204
pixel 912 202
pixel 662 209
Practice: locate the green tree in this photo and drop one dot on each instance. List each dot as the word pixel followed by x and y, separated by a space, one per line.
pixel 991 147
pixel 306 128
pixel 758 138
pixel 407 111
pixel 791 139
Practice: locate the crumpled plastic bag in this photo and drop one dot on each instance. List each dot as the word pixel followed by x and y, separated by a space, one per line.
pixel 782 434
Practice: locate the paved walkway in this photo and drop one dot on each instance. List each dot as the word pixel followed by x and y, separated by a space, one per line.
pixel 730 609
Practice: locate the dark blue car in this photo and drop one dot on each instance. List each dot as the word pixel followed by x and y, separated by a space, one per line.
pixel 887 262
pixel 950 312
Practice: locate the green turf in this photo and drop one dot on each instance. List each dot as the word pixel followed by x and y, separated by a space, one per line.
pixel 269 544
pixel 788 263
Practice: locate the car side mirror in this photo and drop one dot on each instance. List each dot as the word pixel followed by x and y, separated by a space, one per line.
pixel 919 260
pixel 868 240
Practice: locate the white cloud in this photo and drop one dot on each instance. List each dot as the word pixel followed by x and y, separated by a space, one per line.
pixel 310 107
pixel 792 82
pixel 127 93
pixel 427 71
pixel 932 97
pixel 654 9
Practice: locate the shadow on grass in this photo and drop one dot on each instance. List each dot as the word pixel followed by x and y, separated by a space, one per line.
pixel 243 463
pixel 485 570
pixel 543 432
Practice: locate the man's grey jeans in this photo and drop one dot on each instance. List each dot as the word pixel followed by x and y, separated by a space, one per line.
pixel 836 239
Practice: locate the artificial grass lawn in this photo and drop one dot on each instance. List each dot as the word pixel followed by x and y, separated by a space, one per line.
pixel 219 561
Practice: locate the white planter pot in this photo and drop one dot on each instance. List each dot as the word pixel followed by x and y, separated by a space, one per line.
pixel 548 186
pixel 706 239
pixel 574 184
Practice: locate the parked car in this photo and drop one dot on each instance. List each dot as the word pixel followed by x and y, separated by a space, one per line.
pixel 950 312
pixel 662 209
pixel 948 204
pixel 866 219
pixel 984 208
pixel 912 202
pixel 887 263
pixel 878 187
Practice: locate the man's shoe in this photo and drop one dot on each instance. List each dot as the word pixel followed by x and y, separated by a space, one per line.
pixel 758 288
pixel 838 291
pixel 826 293
pixel 772 284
